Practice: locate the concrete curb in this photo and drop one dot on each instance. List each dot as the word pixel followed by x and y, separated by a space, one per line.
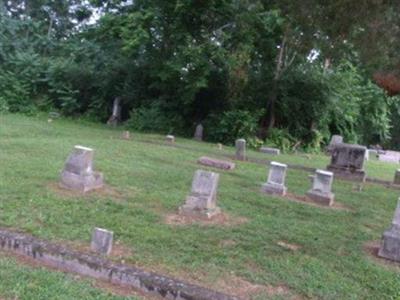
pixel 101 268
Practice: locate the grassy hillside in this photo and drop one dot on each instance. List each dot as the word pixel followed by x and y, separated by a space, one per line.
pixel 272 246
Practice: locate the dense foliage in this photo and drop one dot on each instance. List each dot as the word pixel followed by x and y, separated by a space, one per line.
pixel 286 72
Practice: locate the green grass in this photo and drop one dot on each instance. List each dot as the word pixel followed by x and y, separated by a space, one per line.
pixel 153 180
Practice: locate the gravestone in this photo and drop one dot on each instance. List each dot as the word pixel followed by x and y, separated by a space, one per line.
pixel 78 173
pixel 102 241
pixel 335 140
pixel 366 157
pixel 219 145
pixel 115 117
pixel 347 162
pixel 268 150
pixel 198 134
pixel 321 189
pixel 126 135
pixel 276 179
pixel 397 177
pixel 216 163
pixel 373 153
pixel 240 145
pixel 202 201
pixel 170 139
pixel 390 247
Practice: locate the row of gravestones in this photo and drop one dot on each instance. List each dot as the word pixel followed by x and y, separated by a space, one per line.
pixel 347 160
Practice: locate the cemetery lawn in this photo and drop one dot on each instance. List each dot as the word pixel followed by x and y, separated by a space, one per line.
pixel 269 247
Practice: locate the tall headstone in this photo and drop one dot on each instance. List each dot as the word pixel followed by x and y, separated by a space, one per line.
pixel 102 241
pixel 321 191
pixel 115 117
pixel 397 177
pixel 390 247
pixel 240 145
pixel 78 173
pixel 347 162
pixel 335 140
pixel 276 179
pixel 198 134
pixel 202 200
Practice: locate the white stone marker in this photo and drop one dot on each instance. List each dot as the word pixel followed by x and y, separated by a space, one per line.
pixel 321 191
pixel 390 247
pixel 202 200
pixel 78 171
pixel 268 150
pixel 198 134
pixel 240 145
pixel 170 138
pixel 276 179
pixel 102 241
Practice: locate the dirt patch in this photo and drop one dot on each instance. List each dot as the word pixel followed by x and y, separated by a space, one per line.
pixel 227 243
pixel 288 246
pixel 371 249
pixel 223 219
pixel 304 199
pixel 104 192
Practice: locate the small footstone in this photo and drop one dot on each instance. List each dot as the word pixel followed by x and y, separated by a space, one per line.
pixel 126 135
pixel 240 145
pixel 276 180
pixel 268 150
pixel 321 189
pixel 78 173
pixel 102 241
pixel 170 139
pixel 390 247
pixel 216 163
pixel 202 201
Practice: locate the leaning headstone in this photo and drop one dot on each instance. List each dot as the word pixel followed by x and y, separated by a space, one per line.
pixel 115 117
pixel 347 162
pixel 198 134
pixel 240 145
pixel 268 150
pixel 276 179
pixel 397 177
pixel 102 241
pixel 78 173
pixel 170 139
pixel 216 163
pixel 390 247
pixel 126 135
pixel 202 201
pixel 321 191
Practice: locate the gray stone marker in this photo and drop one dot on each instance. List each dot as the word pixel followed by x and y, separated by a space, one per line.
pixel 390 247
pixel 115 117
pixel 102 241
pixel 216 163
pixel 335 140
pixel 202 200
pixel 170 138
pixel 126 135
pixel 240 145
pixel 397 177
pixel 198 134
pixel 321 188
pixel 347 162
pixel 268 150
pixel 276 179
pixel 78 171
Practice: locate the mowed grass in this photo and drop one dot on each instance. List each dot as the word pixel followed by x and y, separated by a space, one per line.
pixel 150 181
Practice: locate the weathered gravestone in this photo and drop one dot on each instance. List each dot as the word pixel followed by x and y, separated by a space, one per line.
pixel 170 139
pixel 102 241
pixel 126 135
pixel 335 140
pixel 321 189
pixel 347 162
pixel 397 177
pixel 198 134
pixel 390 247
pixel 115 117
pixel 276 179
pixel 268 150
pixel 78 171
pixel 240 145
pixel 216 163
pixel 202 201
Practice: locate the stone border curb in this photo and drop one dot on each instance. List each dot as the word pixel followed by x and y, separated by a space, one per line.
pixel 101 268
